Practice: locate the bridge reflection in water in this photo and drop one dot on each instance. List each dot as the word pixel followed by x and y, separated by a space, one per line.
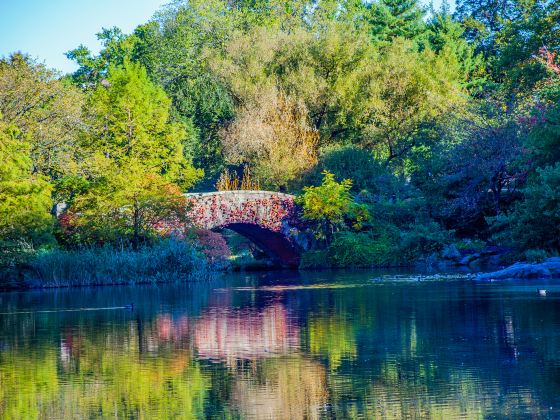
pixel 253 344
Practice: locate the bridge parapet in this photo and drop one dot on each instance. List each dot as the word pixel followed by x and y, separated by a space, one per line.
pixel 267 209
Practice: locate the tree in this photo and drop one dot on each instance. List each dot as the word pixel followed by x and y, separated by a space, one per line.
pixel 128 203
pixel 401 97
pixel 544 138
pixel 368 175
pixel 476 172
pixel 317 69
pixel 131 180
pixel 329 205
pixel 390 19
pixel 116 48
pixel 129 118
pixel 544 121
pixel 274 138
pixel 509 33
pixel 535 221
pixel 25 198
pixel 46 109
pixel 484 19
pixel 172 49
pixel 446 36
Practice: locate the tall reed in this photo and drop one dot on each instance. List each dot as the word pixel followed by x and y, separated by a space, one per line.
pixel 167 261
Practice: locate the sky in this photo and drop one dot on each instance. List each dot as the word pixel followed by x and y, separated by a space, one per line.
pixel 46 29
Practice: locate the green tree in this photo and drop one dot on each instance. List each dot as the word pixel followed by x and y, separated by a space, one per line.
pixel 317 70
pixel 329 205
pixel 129 118
pixel 446 36
pixel 390 19
pixel 116 47
pixel 172 49
pixel 535 221
pixel 46 109
pixel 128 203
pixel 25 198
pixel 402 97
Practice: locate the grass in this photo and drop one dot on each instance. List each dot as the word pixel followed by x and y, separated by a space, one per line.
pixel 167 261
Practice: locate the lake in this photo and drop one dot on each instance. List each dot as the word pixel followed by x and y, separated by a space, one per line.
pixel 284 345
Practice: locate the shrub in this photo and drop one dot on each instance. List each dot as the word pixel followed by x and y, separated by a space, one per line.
pixel 215 247
pixel 359 250
pixel 330 206
pixel 315 259
pixel 421 240
pixel 166 261
pixel 535 255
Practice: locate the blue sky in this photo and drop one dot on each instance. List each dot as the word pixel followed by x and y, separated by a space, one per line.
pixel 46 29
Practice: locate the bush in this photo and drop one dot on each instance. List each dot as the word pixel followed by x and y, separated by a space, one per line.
pixel 315 259
pixel 421 240
pixel 535 255
pixel 166 261
pixel 359 250
pixel 359 165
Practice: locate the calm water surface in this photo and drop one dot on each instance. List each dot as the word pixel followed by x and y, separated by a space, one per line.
pixel 284 345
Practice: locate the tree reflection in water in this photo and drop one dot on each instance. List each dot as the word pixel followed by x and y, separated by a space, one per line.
pixel 452 350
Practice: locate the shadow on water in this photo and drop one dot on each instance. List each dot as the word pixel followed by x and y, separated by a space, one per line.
pixel 331 344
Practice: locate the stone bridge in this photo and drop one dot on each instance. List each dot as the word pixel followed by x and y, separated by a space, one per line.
pixel 266 218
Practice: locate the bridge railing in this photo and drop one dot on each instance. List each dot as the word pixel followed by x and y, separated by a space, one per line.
pixel 240 192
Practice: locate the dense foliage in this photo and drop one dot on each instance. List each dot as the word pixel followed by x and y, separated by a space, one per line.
pixel 446 125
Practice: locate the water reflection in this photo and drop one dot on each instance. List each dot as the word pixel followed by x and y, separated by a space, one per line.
pixel 230 349
pixel 293 387
pixel 230 335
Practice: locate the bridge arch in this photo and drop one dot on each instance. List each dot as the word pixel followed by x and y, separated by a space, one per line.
pixel 266 218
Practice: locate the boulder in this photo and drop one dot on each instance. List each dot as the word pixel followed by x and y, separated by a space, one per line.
pixel 547 269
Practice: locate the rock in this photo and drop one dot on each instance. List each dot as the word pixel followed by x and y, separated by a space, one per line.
pixel 520 270
pixel 466 260
pixel 450 252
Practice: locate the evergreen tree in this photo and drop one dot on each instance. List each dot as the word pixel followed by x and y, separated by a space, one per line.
pixel 390 19
pixel 130 120
pixel 125 204
pixel 446 36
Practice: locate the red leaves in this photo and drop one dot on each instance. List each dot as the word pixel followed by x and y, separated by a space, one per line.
pixel 213 245
pixel 222 209
pixel 548 58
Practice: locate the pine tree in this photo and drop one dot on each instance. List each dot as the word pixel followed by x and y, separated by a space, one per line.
pixel 389 19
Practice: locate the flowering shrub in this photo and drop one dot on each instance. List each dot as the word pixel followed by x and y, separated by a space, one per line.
pixel 214 246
